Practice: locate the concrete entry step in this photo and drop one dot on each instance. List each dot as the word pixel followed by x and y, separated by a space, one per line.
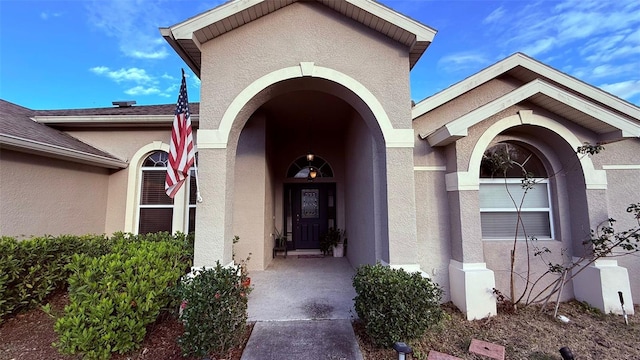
pixel 303 339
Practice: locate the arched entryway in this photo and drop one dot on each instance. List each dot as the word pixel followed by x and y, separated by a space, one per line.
pixel 275 138
pixel 278 118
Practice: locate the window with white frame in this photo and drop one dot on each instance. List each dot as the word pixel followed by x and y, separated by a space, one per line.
pixel 508 209
pixel 157 211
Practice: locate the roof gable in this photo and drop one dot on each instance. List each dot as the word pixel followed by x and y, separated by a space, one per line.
pixel 187 36
pixel 606 115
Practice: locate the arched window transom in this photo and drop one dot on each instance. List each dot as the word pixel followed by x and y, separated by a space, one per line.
pixel 301 168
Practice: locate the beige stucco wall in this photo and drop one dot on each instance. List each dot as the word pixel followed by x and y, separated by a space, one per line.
pixel 303 32
pixel 48 196
pixel 491 90
pixel 433 225
pixel 622 190
pixel 251 205
pixel 281 40
pixel 576 208
pixel 360 199
pixel 123 143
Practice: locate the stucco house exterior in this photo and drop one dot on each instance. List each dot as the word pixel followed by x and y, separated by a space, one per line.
pixel 406 182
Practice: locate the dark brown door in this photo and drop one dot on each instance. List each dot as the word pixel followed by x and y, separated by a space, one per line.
pixel 310 210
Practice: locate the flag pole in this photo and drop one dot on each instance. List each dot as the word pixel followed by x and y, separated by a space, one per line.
pixel 195 169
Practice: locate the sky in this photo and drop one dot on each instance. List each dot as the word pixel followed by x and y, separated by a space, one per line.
pixel 87 53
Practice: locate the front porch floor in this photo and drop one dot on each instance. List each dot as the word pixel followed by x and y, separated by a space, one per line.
pixel 302 288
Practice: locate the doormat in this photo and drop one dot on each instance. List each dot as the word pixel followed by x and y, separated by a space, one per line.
pixel 310 256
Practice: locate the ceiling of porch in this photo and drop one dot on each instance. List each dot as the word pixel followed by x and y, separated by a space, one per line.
pixel 308 113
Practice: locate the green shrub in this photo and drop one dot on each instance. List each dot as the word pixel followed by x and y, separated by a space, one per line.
pixel 395 305
pixel 115 296
pixel 214 310
pixel 32 269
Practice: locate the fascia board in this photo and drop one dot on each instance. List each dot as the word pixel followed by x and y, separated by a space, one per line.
pixel 541 69
pixel 185 29
pixel 169 37
pixel 421 31
pixel 60 152
pixel 459 127
pixel 466 85
pixel 110 120
pixel 578 86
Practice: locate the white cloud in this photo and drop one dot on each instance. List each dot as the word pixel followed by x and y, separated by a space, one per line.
pixel 567 22
pixel 45 15
pixel 141 90
pixel 624 89
pixel 615 54
pixel 539 47
pixel 134 23
pixel 462 61
pixel 139 76
pixel 158 54
pixel 609 70
pixel 495 15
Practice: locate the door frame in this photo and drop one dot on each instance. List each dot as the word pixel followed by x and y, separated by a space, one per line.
pixel 327 195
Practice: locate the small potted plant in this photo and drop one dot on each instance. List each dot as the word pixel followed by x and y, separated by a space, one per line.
pixel 332 241
pixel 280 243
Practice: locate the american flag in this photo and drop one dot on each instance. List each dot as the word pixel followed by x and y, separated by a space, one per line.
pixel 181 150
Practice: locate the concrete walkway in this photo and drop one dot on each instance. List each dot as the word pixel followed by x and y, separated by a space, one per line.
pixel 303 309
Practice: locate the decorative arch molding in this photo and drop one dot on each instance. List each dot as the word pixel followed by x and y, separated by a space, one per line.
pixel 469 180
pixel 219 138
pixel 133 182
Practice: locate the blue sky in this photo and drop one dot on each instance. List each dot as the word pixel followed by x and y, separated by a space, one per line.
pixel 88 53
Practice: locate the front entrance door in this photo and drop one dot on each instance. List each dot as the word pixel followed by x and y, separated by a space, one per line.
pixel 309 212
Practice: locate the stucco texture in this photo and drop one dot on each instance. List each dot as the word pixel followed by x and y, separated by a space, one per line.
pixel 233 62
pixel 303 32
pixel 44 196
pixel 578 203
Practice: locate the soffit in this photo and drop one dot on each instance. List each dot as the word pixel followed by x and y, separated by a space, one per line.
pixel 187 37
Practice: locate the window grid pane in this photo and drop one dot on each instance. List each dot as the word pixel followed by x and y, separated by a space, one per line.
pixel 499 213
pixel 192 188
pixel 501 225
pixel 152 192
pixel 155 219
pixel 495 195
pixel 192 220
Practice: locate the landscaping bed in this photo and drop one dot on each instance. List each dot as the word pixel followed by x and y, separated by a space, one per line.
pixel 526 335
pixel 28 336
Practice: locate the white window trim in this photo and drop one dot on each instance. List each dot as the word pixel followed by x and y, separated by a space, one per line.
pixel 132 213
pixel 549 210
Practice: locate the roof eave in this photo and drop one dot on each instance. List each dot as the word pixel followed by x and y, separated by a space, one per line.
pixel 519 59
pixel 167 34
pixel 458 128
pixel 111 120
pixel 58 152
pixel 184 33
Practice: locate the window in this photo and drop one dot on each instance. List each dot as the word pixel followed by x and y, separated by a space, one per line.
pixel 501 193
pixel 191 214
pixel 157 211
pixel 301 167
